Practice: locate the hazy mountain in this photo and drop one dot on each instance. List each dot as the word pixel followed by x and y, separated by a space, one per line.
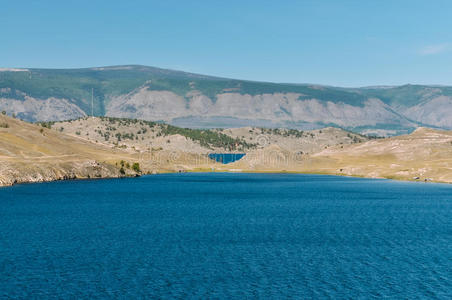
pixel 193 100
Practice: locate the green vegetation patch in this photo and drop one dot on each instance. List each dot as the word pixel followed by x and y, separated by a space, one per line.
pixel 207 138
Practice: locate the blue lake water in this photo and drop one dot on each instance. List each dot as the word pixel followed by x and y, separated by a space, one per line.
pixel 226 236
pixel 226 158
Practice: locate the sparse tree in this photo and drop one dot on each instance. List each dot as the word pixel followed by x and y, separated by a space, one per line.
pixel 136 167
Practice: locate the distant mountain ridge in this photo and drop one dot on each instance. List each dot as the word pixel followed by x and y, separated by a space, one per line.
pixel 194 100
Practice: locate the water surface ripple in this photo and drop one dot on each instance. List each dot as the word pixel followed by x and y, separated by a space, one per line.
pixel 226 236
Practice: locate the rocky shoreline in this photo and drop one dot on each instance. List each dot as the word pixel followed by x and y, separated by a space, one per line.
pixel 87 174
pixel 34 153
pixel 16 173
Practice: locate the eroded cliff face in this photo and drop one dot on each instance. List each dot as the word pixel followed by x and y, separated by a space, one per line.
pixel 33 109
pixel 278 109
pixel 147 105
pixel 194 100
pixel 436 112
pixel 231 109
pixel 372 113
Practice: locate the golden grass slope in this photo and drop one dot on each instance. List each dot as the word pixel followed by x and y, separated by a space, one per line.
pixel 425 155
pixel 31 153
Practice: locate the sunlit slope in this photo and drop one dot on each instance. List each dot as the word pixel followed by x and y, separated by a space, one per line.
pixel 424 155
pixel 30 153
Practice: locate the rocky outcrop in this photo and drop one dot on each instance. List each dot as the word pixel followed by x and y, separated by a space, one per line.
pixel 435 112
pixel 278 110
pixel 13 173
pixel 33 109
pixel 147 105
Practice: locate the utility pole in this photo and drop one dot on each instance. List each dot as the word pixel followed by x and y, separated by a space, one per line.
pixel 92 102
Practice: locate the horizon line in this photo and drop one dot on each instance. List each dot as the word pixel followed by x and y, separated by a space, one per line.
pixel 100 68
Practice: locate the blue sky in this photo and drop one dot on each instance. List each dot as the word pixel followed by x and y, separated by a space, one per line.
pixel 345 43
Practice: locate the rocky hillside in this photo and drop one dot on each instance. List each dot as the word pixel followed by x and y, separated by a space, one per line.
pixel 139 135
pixel 31 153
pixel 197 101
pixel 424 155
pixel 111 147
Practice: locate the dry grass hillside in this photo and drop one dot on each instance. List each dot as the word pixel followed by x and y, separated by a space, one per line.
pixel 424 155
pixel 37 153
pixel 131 135
pixel 302 142
pixel 31 153
pixel 109 147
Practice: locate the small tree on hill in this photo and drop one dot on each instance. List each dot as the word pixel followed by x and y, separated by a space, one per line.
pixel 136 167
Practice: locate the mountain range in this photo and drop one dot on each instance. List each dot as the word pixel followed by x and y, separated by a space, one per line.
pixel 199 101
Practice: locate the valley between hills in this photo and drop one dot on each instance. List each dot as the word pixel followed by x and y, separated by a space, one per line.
pixel 106 147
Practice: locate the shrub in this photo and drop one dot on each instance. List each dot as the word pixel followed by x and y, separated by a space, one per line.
pixel 136 167
pixel 47 124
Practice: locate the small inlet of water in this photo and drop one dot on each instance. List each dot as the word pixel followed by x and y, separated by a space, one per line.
pixel 226 158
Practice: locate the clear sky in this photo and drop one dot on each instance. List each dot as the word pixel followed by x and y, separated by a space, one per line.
pixel 345 43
